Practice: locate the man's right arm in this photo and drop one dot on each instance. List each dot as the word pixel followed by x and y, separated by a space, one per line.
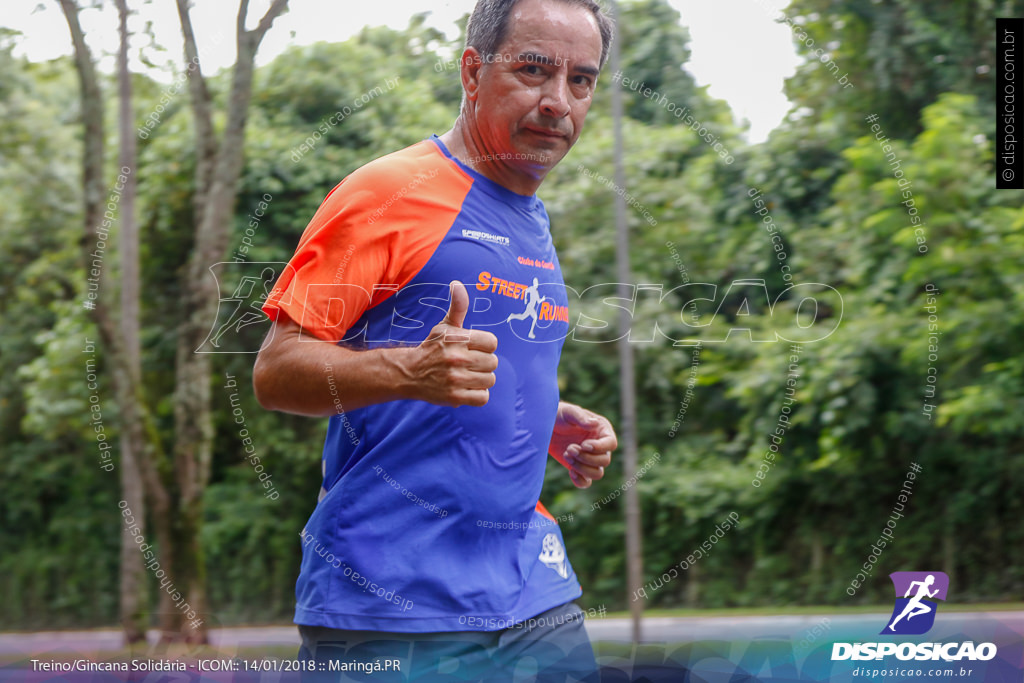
pixel 297 373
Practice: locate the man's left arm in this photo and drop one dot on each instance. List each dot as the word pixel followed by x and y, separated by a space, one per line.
pixel 583 442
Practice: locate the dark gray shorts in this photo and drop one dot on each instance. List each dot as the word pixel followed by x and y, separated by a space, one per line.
pixel 552 647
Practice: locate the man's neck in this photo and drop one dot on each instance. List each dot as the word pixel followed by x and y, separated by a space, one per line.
pixel 462 145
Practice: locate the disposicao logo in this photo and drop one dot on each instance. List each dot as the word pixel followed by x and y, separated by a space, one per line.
pixel 913 614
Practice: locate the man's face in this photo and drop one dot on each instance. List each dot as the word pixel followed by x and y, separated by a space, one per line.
pixel 532 96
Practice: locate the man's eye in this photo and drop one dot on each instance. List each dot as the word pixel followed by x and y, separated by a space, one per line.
pixel 532 70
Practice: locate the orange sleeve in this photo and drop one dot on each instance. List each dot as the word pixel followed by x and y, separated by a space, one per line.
pixel 370 236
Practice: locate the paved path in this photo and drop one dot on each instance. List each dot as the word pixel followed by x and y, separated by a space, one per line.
pixel 974 625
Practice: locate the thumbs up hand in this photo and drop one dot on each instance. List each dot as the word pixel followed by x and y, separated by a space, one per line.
pixel 455 366
pixel 458 307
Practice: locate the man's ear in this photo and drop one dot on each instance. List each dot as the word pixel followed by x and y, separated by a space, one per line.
pixel 469 69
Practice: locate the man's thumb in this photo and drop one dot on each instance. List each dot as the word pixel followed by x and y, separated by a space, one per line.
pixel 459 305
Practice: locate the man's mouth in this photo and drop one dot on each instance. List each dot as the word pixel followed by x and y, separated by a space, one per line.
pixel 546 132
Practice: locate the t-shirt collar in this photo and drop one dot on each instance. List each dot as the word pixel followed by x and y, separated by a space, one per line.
pixel 487 185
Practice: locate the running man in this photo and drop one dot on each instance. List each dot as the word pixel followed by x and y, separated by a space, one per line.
pixel 246 293
pixel 434 388
pixel 533 299
pixel 916 606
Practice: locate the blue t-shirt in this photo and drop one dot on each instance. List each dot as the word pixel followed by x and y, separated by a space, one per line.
pixel 429 516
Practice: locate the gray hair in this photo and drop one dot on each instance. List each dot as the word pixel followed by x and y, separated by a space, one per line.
pixel 488 25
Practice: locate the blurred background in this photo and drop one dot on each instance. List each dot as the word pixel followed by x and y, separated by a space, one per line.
pixel 861 410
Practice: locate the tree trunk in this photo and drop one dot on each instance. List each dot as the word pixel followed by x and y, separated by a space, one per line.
pixel 216 187
pixel 627 380
pixel 176 522
pixel 141 451
pixel 817 588
pixel 133 607
pixel 693 587
pixel 949 546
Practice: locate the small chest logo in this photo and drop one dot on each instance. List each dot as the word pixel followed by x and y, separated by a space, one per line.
pixel 553 555
pixel 486 237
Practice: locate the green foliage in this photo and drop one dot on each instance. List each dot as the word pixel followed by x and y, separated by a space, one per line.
pixel 899 54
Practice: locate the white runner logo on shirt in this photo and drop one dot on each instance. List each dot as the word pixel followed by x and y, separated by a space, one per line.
pixel 486 237
pixel 533 299
pixel 553 555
